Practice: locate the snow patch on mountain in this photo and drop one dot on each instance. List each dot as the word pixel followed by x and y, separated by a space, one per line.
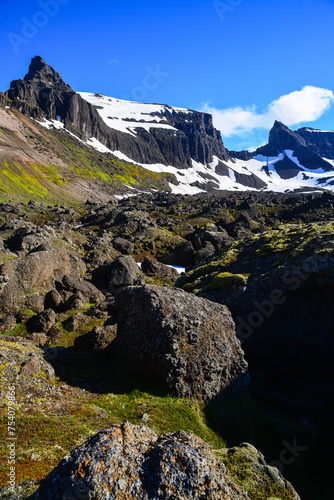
pixel 127 116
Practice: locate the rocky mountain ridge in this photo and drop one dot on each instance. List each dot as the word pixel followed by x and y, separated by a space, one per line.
pixel 49 97
pixel 168 140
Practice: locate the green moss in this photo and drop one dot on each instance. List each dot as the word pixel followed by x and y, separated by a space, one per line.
pixel 20 330
pixel 166 414
pixel 247 472
pixel 44 439
pixel 226 281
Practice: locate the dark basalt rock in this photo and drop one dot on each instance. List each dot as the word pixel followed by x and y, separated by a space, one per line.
pixel 42 322
pixel 183 255
pixel 186 343
pixel 154 268
pixel 320 142
pixel 124 246
pixel 97 340
pixel 35 271
pixel 124 271
pixel 282 138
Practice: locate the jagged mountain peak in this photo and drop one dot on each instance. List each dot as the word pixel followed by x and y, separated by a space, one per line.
pixel 283 138
pixel 40 71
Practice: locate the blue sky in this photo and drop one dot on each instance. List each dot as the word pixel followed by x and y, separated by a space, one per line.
pixel 236 55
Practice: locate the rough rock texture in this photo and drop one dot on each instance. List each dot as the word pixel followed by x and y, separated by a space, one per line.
pixel 53 300
pixel 153 268
pixel 76 322
pixel 22 363
pixel 42 322
pixel 28 238
pixel 186 343
pixel 97 340
pixel 254 470
pixel 7 323
pixel 123 246
pixel 128 461
pixel 124 271
pixel 88 290
pixel 36 271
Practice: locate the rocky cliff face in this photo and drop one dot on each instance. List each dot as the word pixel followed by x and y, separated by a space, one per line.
pixel 319 141
pixel 281 138
pixel 43 94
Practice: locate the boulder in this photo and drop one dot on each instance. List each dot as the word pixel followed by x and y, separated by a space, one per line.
pixel 124 246
pixel 53 300
pixel 254 472
pixel 88 290
pixel 124 271
pixel 75 301
pixel 35 302
pixel 42 322
pixel 183 255
pixel 154 268
pixel 53 335
pixel 22 364
pixel 97 340
pixel 186 343
pixel 203 254
pixel 130 461
pixel 29 238
pixel 7 324
pixel 36 271
pixel 76 322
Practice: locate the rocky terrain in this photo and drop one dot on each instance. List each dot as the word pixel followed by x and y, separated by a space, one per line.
pixel 165 304
pixel 90 340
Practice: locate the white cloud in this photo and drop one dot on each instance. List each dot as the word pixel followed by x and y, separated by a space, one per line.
pixel 306 105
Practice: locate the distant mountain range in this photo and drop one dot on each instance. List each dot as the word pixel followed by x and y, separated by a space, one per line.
pixel 144 146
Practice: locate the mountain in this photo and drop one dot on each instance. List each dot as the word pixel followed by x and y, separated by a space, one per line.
pixel 294 160
pixel 153 146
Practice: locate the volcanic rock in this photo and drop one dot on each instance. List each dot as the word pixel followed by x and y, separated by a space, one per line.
pixel 128 461
pixel 186 343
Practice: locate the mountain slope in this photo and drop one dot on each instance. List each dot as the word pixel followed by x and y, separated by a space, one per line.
pixel 151 146
pixel 160 138
pixel 54 166
pixel 292 160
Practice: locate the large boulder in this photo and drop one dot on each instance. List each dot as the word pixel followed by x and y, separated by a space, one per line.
pixel 20 278
pixel 184 342
pixel 129 461
pixel 42 322
pixel 29 237
pixel 183 255
pixel 124 246
pixel 153 268
pixel 124 271
pixel 88 290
